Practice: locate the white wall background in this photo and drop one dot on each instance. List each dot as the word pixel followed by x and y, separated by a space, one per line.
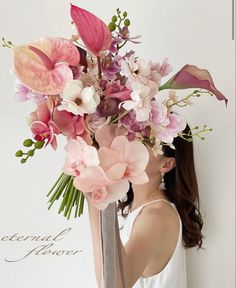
pixel 186 31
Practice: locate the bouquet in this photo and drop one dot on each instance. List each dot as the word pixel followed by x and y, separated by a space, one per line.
pixel 106 103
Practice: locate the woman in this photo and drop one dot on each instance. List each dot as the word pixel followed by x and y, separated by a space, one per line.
pixel 161 223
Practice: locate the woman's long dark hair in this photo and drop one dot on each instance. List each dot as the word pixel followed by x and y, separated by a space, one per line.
pixel 181 189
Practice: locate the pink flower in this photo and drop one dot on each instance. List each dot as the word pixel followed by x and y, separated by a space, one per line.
pixel 115 89
pixel 120 162
pixel 43 65
pixel 23 93
pixel 191 76
pixel 103 190
pixel 42 126
pixel 110 67
pixel 167 125
pixel 69 124
pixel 92 30
pixel 79 157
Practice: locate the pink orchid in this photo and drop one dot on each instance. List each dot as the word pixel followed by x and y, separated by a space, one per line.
pixel 115 89
pixel 70 125
pixel 103 190
pixel 110 131
pixel 42 125
pixel 191 76
pixel 80 155
pixel 43 65
pixel 167 125
pixel 120 162
pixel 92 30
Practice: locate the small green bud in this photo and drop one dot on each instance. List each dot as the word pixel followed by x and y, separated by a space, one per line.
pixel 112 26
pixel 195 91
pixel 28 143
pixel 19 153
pixel 196 127
pixel 198 95
pixel 125 14
pixel 23 160
pixel 127 22
pixel 203 138
pixel 30 153
pixel 211 129
pixel 114 18
pixel 39 144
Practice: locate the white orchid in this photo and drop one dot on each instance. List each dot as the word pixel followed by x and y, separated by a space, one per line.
pixel 79 100
pixel 140 101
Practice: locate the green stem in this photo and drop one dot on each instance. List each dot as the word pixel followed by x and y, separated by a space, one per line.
pixel 55 184
pixel 81 206
pixel 66 195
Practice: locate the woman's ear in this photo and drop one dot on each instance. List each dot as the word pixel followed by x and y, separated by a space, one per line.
pixel 168 164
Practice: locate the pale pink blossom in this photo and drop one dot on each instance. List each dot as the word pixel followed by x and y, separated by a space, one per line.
pixel 78 99
pixel 120 162
pixel 80 155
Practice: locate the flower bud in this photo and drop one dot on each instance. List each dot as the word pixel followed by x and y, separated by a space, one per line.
pixel 39 144
pixel 28 143
pixel 127 22
pixel 114 18
pixel 23 160
pixel 112 26
pixel 30 153
pixel 19 153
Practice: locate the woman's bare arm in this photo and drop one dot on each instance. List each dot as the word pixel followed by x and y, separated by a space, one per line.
pixel 149 236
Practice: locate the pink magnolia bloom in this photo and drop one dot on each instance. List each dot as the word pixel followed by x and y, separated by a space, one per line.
pixel 92 30
pixel 120 162
pixel 80 155
pixel 42 125
pixel 43 65
pixel 191 76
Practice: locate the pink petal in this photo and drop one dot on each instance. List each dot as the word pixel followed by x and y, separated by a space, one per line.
pixel 74 149
pixel 38 127
pixel 90 179
pixel 92 30
pixel 139 159
pixel 139 179
pixel 32 69
pixel 116 172
pixel 107 157
pixel 117 190
pixel 42 112
pixel 64 121
pixel 105 135
pixel 191 76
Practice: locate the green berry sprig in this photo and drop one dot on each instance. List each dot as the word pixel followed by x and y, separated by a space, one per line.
pixel 117 21
pixel 196 131
pixel 30 153
pixel 6 43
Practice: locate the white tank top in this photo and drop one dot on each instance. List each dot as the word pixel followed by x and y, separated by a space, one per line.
pixel 174 273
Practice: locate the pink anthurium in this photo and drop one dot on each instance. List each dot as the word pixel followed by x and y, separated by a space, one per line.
pixel 191 76
pixel 92 30
pixel 43 65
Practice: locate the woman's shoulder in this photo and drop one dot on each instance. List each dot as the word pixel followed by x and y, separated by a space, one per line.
pixel 157 222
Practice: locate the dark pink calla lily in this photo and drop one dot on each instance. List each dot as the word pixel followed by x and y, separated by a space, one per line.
pixel 191 76
pixel 92 30
pixel 43 66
